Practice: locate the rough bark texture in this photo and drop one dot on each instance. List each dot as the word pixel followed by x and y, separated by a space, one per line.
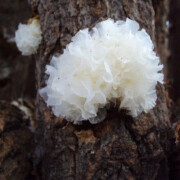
pixel 120 147
pixel 15 142
pixel 17 80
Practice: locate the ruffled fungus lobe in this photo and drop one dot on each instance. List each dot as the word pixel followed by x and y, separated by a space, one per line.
pixel 28 37
pixel 113 61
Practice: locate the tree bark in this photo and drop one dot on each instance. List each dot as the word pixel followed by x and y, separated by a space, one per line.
pixel 120 147
pixel 16 135
pixel 17 74
pixel 16 141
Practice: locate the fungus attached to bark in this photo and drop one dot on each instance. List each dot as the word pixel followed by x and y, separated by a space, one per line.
pixel 114 61
pixel 28 37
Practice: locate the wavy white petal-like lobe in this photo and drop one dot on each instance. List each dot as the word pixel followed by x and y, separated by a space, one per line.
pixel 115 60
pixel 28 37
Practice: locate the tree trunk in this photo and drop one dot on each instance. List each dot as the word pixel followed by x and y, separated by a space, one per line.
pixel 16 135
pixel 16 145
pixel 120 147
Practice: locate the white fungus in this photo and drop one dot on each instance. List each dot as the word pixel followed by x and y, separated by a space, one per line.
pixel 114 61
pixel 28 37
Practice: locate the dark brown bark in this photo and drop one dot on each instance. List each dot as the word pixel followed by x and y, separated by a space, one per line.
pixel 15 141
pixel 174 60
pixel 17 72
pixel 17 80
pixel 119 147
pixel 174 85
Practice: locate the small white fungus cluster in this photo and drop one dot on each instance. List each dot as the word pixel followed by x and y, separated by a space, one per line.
pixel 113 61
pixel 28 37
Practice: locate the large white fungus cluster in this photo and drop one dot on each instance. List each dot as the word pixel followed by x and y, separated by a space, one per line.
pixel 28 37
pixel 113 61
